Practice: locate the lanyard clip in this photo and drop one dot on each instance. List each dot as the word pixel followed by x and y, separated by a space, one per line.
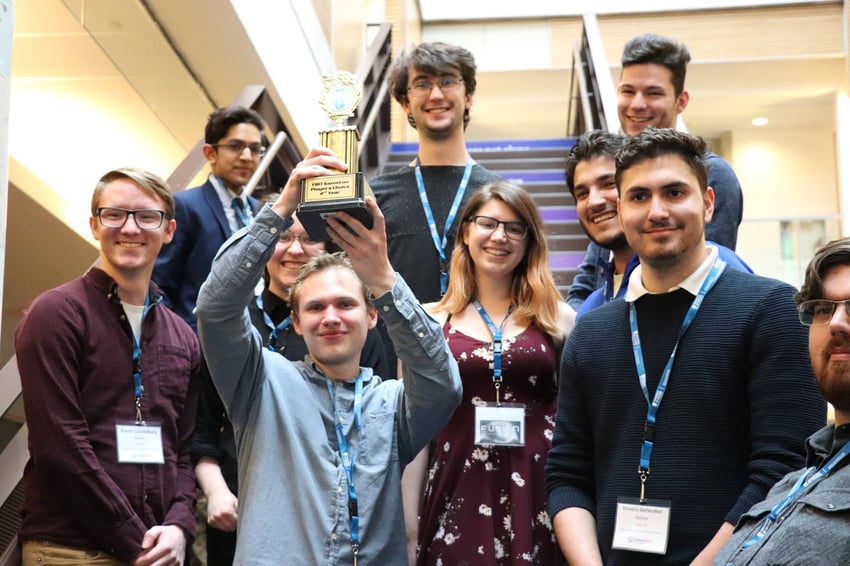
pixel 644 474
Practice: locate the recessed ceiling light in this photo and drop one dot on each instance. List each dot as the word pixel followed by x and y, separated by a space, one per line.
pixel 760 121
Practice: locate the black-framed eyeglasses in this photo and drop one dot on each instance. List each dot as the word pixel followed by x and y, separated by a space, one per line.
pixel 487 225
pixel 288 238
pixel 145 218
pixel 237 147
pixel 423 88
pixel 818 312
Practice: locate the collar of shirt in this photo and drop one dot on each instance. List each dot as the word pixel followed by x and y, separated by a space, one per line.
pixel 691 284
pixel 226 196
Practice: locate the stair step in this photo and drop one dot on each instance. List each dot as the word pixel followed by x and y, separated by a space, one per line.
pixel 567 243
pixel 495 162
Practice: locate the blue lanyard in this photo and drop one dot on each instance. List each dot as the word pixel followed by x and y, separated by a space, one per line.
pixel 432 224
pixel 274 330
pixel 652 406
pixel 347 459
pixel 796 492
pixel 138 388
pixel 496 331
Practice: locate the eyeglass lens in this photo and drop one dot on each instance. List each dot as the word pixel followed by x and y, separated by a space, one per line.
pixel 146 219
pixel 287 238
pixel 513 230
pixel 424 87
pixel 820 311
pixel 238 148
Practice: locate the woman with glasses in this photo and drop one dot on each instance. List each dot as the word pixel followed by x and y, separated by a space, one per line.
pixel 214 448
pixel 505 322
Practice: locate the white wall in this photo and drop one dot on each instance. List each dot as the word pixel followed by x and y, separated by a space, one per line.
pixel 786 175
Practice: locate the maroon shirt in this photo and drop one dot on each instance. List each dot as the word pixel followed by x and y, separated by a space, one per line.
pixel 74 351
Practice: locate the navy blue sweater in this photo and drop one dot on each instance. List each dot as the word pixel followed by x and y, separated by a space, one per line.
pixel 740 403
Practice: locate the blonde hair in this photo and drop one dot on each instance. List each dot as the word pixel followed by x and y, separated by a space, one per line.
pixel 535 297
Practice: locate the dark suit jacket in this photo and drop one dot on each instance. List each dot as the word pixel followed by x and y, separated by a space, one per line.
pixel 183 265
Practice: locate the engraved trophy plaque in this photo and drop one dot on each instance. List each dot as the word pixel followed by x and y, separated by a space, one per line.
pixel 345 191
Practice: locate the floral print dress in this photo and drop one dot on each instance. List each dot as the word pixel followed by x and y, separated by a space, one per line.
pixel 487 504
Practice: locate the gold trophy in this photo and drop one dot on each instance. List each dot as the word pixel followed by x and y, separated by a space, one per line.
pixel 324 196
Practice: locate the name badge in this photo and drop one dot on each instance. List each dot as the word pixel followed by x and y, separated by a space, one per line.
pixel 642 527
pixel 139 443
pixel 500 425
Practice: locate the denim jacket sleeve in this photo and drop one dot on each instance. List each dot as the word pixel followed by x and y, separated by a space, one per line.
pixel 232 345
pixel 589 277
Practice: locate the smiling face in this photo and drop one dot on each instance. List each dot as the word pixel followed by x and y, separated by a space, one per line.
pixel 437 115
pixel 333 317
pixel 646 97
pixel 596 201
pixel 829 344
pixel 129 251
pixel 493 254
pixel 235 169
pixel 663 213
pixel 289 257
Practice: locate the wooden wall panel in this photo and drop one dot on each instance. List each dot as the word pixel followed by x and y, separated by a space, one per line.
pixel 735 35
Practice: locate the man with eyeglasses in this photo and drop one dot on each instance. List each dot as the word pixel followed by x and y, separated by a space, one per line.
pixel 109 383
pixel 207 215
pixel 434 84
pixel 803 520
pixel 681 405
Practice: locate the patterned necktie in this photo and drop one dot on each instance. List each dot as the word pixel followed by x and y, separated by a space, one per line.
pixel 240 208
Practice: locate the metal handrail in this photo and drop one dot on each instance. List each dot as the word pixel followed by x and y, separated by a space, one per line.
pixel 372 117
pixel 267 160
pixel 592 77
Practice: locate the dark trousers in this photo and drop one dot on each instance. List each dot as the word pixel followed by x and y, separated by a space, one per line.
pixel 220 547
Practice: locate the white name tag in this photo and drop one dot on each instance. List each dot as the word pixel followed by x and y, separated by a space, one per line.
pixel 500 425
pixel 139 444
pixel 642 527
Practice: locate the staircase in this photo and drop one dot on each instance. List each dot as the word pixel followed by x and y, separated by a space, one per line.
pixel 537 166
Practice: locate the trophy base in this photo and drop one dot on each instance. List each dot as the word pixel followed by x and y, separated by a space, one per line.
pixel 316 205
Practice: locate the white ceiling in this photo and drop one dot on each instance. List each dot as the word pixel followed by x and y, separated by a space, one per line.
pixel 470 10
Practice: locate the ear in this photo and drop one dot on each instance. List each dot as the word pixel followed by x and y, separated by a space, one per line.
pixel 95 227
pixel 682 101
pixel 209 153
pixel 296 323
pixel 168 234
pixel 708 202
pixel 466 226
pixel 467 101
pixel 373 317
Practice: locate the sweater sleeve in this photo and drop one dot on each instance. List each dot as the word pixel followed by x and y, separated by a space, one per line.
pixel 784 403
pixel 570 469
